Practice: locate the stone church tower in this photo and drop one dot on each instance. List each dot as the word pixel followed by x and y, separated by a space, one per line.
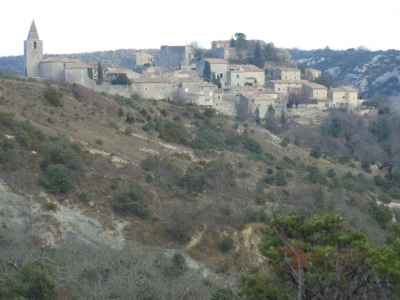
pixel 33 53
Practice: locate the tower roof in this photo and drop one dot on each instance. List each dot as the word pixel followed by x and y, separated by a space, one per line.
pixel 33 34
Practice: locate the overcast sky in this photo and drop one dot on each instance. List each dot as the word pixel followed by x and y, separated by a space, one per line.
pixel 76 26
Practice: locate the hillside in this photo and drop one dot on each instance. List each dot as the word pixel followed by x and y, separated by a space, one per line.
pixel 372 72
pixel 158 178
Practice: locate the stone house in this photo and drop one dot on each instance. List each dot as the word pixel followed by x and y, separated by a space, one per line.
pixel 343 96
pixel 78 72
pixel 218 66
pixel 286 74
pixel 314 90
pixel 284 86
pixel 311 73
pixel 224 103
pixel 258 100
pixel 171 57
pixel 222 49
pixel 245 74
pixel 152 88
pixel 141 58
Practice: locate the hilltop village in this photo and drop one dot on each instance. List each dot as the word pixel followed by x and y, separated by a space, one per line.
pixel 178 73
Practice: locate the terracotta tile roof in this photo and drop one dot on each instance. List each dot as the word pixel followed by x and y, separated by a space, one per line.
pixel 349 88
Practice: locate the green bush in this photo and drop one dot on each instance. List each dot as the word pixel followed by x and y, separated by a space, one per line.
pixel 379 212
pixel 132 202
pixel 394 192
pixel 226 244
pixel 253 146
pixel 285 141
pixel 193 181
pixel 366 166
pixel 385 198
pixel 58 150
pixel 57 179
pixel 316 151
pixel 330 173
pixel 53 96
pixel 98 142
pixel 32 282
pixel 85 196
pixel 128 131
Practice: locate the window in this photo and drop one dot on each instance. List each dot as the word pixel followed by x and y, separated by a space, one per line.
pixel 82 72
pixel 71 72
pixel 219 97
pixel 221 75
pixel 237 76
pixel 145 89
pixel 82 80
pixel 34 45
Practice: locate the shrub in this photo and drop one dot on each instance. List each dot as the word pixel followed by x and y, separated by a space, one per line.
pixel 182 228
pixel 380 213
pixel 132 201
pixel 98 142
pixel 252 145
pixel 330 173
pixel 163 112
pixel 149 177
pixel 57 179
pixel 394 192
pixel 385 198
pixel 366 166
pixel 285 141
pixel 128 131
pixel 193 181
pixel 58 150
pixel 135 96
pixel 85 196
pixel 52 206
pixel 236 126
pixel 129 119
pixel 53 96
pixel 226 244
pixel 316 151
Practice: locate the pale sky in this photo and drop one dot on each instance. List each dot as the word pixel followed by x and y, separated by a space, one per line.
pixel 77 26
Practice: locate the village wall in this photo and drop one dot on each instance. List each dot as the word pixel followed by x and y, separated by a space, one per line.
pixel 53 70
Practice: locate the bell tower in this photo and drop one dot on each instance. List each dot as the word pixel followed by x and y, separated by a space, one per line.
pixel 33 53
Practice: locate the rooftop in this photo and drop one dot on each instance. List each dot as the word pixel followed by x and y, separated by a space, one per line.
pixel 216 60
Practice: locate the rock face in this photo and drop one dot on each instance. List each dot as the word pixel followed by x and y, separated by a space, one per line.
pixel 372 72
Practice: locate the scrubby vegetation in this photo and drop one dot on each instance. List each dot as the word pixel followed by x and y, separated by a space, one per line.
pixel 208 186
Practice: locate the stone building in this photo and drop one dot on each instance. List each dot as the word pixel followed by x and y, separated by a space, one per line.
pixel 343 96
pixel 311 73
pixel 171 57
pixel 315 91
pixel 141 58
pixel 245 74
pixel 59 68
pixel 224 103
pixel 286 74
pixel 260 100
pixel 153 88
pixel 218 66
pixel 222 49
pixel 284 86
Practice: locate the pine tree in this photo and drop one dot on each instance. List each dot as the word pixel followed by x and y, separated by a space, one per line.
pixel 99 73
pixel 207 72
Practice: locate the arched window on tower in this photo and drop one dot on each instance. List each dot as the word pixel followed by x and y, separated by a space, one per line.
pixel 34 45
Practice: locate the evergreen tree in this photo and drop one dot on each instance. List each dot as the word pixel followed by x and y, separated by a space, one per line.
pixel 258 59
pixel 207 72
pixel 99 73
